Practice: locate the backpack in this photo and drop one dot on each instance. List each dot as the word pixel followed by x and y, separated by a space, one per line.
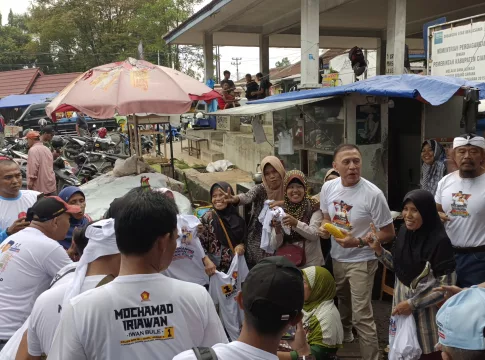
pixel 356 56
pixel 204 353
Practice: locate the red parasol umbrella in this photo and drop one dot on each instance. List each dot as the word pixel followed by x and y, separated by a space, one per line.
pixel 129 87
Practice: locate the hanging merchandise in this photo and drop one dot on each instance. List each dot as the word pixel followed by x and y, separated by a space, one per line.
pixel 187 263
pixel 258 131
pixel 223 289
pixel 285 144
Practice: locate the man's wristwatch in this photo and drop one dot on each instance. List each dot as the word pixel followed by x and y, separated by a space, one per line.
pixel 361 243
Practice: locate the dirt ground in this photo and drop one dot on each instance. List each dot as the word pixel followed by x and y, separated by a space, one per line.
pixel 382 312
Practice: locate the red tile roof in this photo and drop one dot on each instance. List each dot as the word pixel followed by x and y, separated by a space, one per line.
pixel 17 82
pixel 52 83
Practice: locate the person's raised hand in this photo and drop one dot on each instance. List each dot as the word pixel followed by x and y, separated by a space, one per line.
pixel 448 291
pixel 373 240
pixel 276 203
pixel 210 268
pixel 322 232
pixel 299 343
pixel 239 250
pixel 229 198
pixel 348 241
pixel 17 225
pixel 290 221
pixel 443 217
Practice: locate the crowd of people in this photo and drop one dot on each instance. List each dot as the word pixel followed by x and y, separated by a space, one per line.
pixel 254 89
pixel 147 282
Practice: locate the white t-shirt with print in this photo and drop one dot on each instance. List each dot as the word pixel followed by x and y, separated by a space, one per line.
pixel 28 262
pixel 187 262
pixel 354 208
pixel 9 351
pixel 46 315
pixel 235 350
pixel 463 200
pixel 137 317
pixel 10 209
pixel 223 289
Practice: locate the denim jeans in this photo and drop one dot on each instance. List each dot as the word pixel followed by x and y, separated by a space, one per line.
pixel 470 268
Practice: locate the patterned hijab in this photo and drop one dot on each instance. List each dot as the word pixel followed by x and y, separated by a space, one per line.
pixel 277 194
pixel 317 309
pixel 433 173
pixel 303 210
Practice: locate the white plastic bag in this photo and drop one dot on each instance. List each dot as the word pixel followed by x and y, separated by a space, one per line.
pixel 285 143
pixel 403 339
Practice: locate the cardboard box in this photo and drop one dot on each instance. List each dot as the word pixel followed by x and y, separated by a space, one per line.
pixel 12 131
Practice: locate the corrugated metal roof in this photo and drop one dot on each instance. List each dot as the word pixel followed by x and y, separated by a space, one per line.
pixel 17 82
pixel 52 83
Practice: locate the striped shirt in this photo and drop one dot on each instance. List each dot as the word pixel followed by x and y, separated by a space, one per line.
pixel 424 305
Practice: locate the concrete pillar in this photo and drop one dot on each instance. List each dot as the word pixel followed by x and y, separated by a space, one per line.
pixel 380 57
pixel 264 54
pixel 396 36
pixel 208 56
pixel 310 38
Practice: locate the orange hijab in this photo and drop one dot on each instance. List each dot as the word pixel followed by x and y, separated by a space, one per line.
pixel 278 194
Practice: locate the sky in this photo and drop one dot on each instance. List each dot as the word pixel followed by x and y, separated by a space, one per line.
pixel 249 55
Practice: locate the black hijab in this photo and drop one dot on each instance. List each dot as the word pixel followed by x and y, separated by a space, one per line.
pixel 430 242
pixel 233 222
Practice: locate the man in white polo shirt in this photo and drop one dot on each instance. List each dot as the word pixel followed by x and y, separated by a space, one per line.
pixel 30 259
pixel 142 314
pixel 460 199
pixel 13 201
pixel 352 203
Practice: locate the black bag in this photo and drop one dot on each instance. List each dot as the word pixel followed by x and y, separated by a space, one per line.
pixel 204 353
pixel 356 56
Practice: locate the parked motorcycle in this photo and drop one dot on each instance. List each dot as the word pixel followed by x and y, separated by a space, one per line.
pixel 64 174
pixel 76 145
pixel 84 170
pixel 174 134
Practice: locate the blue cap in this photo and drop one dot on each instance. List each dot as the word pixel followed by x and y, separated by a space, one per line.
pixel 461 320
pixel 69 191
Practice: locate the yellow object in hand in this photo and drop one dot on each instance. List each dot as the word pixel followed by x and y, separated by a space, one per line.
pixel 333 230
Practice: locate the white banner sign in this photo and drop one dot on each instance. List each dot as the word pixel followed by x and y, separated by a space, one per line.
pixel 459 52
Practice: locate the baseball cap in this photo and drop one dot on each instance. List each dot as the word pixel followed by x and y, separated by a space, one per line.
pixel 50 207
pixel 273 290
pixel 32 135
pixel 47 130
pixel 461 320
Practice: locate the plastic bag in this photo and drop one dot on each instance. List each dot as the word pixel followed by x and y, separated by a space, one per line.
pixel 403 339
pixel 285 143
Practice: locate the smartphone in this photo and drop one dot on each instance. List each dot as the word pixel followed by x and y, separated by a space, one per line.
pixel 289 334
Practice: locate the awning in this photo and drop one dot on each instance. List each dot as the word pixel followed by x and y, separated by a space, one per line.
pixel 259 109
pixel 12 101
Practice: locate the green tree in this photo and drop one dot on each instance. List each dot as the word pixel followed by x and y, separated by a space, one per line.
pixel 15 49
pixel 0 19
pixel 283 63
pixel 10 17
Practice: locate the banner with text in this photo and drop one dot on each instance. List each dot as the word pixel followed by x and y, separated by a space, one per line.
pixel 459 52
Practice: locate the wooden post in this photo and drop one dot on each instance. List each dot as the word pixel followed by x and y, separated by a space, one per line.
pixel 165 141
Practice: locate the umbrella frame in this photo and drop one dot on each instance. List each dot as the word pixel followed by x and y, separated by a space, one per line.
pixel 133 121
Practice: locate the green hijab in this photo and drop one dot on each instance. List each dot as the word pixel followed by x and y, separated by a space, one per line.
pixel 321 317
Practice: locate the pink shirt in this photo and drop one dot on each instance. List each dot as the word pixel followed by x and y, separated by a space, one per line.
pixel 40 169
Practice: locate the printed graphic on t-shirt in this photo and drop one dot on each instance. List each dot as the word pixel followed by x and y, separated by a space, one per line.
pixel 342 215
pixel 145 323
pixel 7 252
pixel 459 204
pixel 186 236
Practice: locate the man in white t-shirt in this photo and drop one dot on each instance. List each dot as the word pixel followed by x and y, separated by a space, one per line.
pixel 352 203
pixel 187 262
pixel 460 198
pixel 98 265
pixel 13 201
pixel 272 300
pixel 224 289
pixel 30 259
pixel 142 314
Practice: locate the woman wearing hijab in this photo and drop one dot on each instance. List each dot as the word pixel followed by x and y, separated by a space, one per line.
pixel 303 217
pixel 434 167
pixel 74 196
pixel 321 319
pixel 223 231
pixel 270 189
pixel 421 240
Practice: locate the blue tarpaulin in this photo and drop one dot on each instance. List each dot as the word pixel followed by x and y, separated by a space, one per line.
pixel 12 101
pixel 435 90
